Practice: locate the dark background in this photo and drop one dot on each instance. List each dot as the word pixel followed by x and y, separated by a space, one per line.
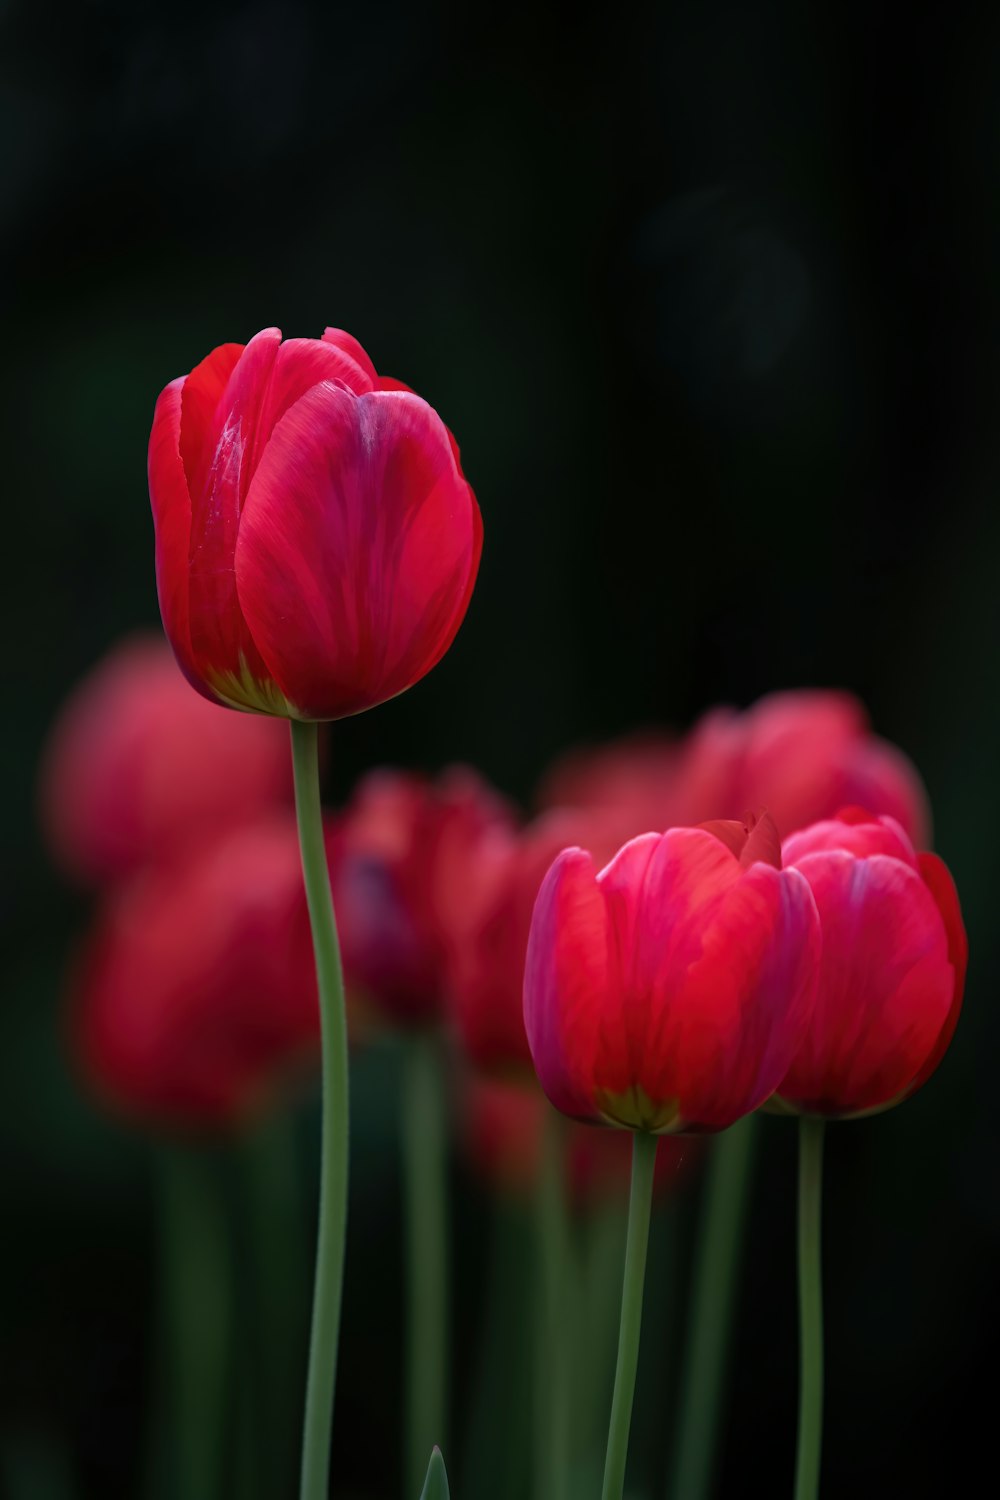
pixel 709 296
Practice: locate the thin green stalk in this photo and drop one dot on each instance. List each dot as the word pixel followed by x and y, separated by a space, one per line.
pixel 197 1306
pixel 807 1462
pixel 425 1173
pixel 552 1372
pixel 718 1256
pixel 656 1379
pixel 639 1207
pixel 328 1285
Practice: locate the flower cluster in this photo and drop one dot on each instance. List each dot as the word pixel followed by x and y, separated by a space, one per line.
pixel 192 996
pixel 674 980
pixel 686 930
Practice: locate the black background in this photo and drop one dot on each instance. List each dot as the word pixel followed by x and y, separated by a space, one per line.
pixel 709 296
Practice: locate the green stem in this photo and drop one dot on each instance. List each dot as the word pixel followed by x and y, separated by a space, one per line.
pixel 552 1373
pixel 717 1259
pixel 425 1171
pixel 810 1309
pixel 197 1304
pixel 328 1285
pixel 639 1207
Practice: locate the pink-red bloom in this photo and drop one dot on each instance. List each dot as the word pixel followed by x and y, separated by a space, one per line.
pixel 892 971
pixel 316 539
pixel 406 859
pixel 801 754
pixel 670 990
pixel 138 768
pixel 195 994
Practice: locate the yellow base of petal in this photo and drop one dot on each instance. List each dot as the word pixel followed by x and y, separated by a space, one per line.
pixel 243 691
pixel 634 1110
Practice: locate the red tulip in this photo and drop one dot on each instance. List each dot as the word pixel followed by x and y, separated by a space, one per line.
pixel 196 992
pixel 502 1128
pixel 670 990
pixel 406 858
pixel 138 768
pixel 487 973
pixel 892 971
pixel 800 754
pixel 316 540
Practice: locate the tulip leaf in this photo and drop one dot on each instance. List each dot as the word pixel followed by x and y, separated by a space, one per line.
pixel 436 1483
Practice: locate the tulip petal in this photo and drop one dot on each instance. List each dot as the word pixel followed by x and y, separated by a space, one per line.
pixel 358 549
pixel 566 982
pixel 387 383
pixel 171 504
pixel 348 344
pixel 738 1017
pixel 937 878
pixel 221 644
pixel 886 985
pixel 852 835
pixel 752 840
pixel 880 775
pixel 203 390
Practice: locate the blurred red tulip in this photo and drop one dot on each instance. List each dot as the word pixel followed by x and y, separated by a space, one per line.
pixel 138 767
pixel 407 858
pixel 670 991
pixel 892 971
pixel 195 994
pixel 800 754
pixel 316 540
pixel 502 1126
pixel 487 972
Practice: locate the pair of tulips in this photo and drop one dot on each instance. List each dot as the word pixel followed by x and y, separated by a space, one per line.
pixel 316 545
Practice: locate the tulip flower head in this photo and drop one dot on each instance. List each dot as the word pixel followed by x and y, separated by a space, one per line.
pixel 892 971
pixel 316 539
pixel 669 991
pixel 405 859
pixel 139 769
pixel 802 754
pixel 196 992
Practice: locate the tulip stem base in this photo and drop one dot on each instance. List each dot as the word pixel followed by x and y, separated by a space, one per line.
pixel 719 1249
pixel 328 1285
pixel 555 1267
pixel 425 1184
pixel 639 1210
pixel 807 1464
